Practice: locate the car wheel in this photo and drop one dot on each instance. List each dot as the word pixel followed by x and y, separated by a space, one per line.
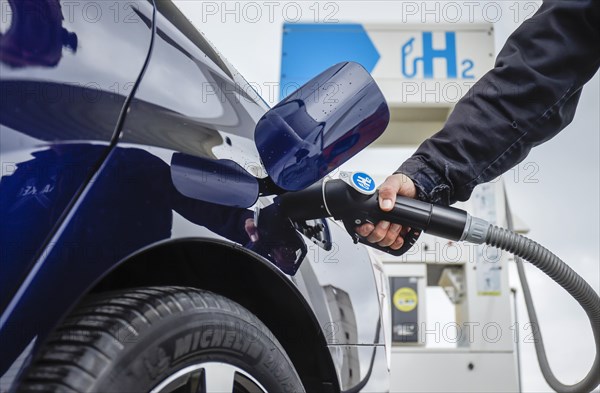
pixel 162 340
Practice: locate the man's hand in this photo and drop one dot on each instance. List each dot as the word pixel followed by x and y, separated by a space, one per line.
pixel 383 233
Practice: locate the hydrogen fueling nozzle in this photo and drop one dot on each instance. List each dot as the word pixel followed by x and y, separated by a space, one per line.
pixel 353 199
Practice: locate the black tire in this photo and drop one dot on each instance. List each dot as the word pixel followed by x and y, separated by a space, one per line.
pixel 132 340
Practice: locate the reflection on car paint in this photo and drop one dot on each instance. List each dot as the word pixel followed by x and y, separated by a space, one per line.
pixel 35 36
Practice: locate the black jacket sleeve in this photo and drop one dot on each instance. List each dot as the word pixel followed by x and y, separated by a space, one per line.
pixel 527 98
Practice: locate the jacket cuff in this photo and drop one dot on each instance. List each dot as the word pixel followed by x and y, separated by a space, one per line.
pixel 431 186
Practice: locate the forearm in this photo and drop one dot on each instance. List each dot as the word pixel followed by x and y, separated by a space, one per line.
pixel 528 97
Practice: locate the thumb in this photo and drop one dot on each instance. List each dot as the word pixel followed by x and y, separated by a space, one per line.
pixel 397 184
pixel 387 193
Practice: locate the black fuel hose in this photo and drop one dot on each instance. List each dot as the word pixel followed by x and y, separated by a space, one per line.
pixel 546 261
pixel 344 200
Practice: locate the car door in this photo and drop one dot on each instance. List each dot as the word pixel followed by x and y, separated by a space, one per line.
pixel 66 69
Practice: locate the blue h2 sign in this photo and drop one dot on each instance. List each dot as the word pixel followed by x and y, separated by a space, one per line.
pixel 430 54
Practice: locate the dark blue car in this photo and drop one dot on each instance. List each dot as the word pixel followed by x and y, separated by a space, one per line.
pixel 140 246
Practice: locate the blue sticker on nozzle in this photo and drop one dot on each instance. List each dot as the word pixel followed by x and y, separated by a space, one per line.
pixel 363 181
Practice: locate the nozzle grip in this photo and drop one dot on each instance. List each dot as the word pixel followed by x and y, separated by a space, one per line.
pixel 337 199
pixel 409 239
pixel 420 216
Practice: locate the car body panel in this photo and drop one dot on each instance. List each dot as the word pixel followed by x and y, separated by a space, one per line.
pixel 191 101
pixel 61 83
pixel 65 79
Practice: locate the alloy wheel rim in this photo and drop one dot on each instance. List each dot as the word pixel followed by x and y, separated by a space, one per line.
pixel 210 377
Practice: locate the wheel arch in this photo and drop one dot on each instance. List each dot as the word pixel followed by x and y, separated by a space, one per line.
pixel 245 278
